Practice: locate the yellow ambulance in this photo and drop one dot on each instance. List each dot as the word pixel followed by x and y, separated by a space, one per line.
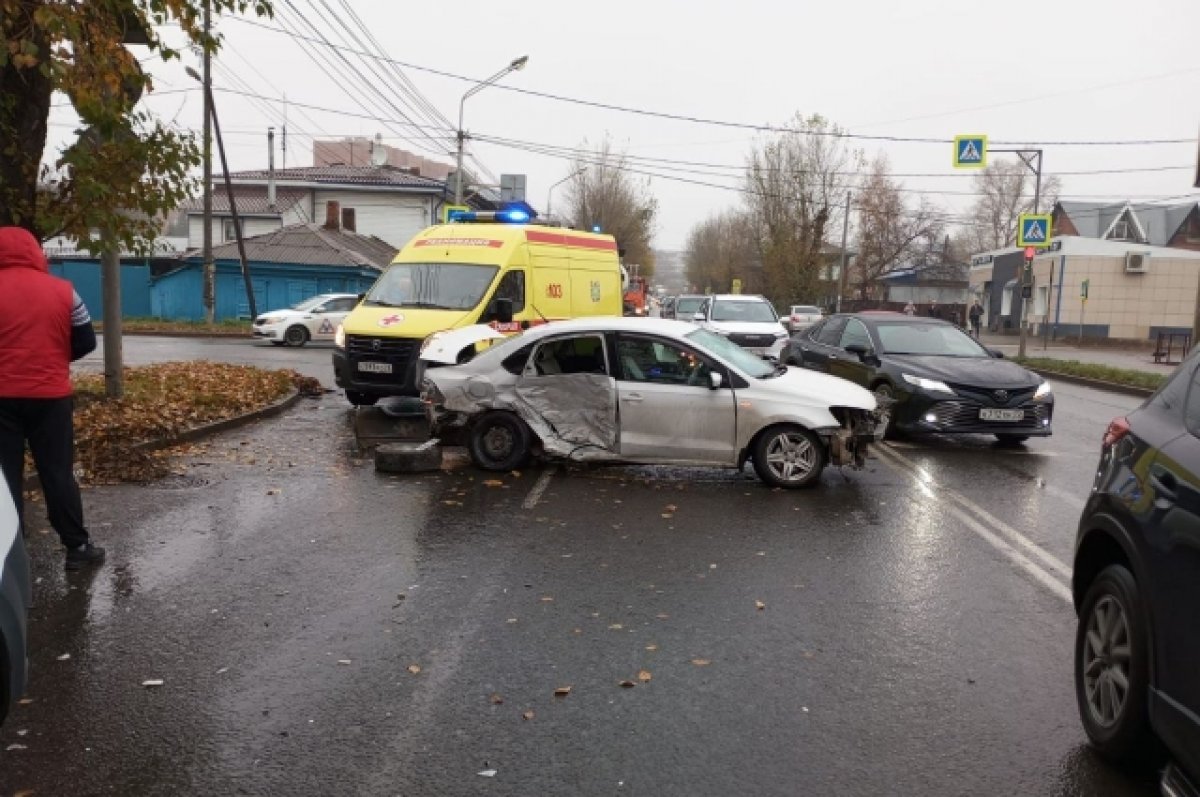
pixel 490 267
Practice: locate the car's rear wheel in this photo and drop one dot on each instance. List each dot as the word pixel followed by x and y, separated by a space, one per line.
pixel 1112 667
pixel 499 441
pixel 360 399
pixel 296 335
pixel 789 456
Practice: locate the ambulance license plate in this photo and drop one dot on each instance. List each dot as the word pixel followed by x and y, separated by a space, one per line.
pixel 988 414
pixel 375 368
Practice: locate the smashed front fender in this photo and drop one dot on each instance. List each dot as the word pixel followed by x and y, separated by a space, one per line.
pixel 443 347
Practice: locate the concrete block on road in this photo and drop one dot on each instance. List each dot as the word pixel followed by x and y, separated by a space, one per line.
pixel 373 427
pixel 409 457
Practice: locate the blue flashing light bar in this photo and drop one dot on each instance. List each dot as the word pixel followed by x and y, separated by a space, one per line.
pixel 516 213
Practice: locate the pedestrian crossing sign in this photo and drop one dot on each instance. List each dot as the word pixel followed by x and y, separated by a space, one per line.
pixel 970 152
pixel 1033 229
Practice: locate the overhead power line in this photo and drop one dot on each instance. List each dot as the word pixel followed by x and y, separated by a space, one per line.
pixel 765 128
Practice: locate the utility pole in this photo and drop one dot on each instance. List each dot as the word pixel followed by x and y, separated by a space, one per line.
pixel 210 271
pixel 845 258
pixel 1029 159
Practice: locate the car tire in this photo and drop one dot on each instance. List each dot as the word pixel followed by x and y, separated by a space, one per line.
pixel 789 456
pixel 361 399
pixel 499 441
pixel 1111 620
pixel 296 335
pixel 1011 439
pixel 885 391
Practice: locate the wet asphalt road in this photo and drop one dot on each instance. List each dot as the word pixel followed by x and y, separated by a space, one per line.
pixel 321 629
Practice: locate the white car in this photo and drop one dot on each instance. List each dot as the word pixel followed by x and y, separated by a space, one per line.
pixel 641 390
pixel 802 316
pixel 315 318
pixel 15 598
pixel 748 321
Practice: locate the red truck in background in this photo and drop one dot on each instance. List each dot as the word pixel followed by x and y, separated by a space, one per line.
pixel 637 296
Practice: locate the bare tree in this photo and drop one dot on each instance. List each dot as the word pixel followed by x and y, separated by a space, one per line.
pixel 890 232
pixel 721 249
pixel 605 194
pixel 1005 191
pixel 796 183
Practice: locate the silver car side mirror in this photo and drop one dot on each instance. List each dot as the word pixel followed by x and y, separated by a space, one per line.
pixel 715 380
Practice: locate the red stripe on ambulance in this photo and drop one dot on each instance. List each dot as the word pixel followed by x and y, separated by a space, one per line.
pixel 563 239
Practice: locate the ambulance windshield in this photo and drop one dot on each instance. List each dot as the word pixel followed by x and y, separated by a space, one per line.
pixel 435 286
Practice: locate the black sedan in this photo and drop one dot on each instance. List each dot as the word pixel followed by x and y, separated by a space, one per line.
pixel 934 377
pixel 1136 584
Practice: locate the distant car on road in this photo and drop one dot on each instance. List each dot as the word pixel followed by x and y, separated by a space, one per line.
pixel 1136 584
pixel 685 396
pixel 749 321
pixel 935 377
pixel 686 305
pixel 315 318
pixel 801 316
pixel 15 597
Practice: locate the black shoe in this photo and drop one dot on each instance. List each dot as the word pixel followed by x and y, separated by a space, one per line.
pixel 83 556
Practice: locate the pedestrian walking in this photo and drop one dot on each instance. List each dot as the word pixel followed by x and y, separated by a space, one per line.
pixel 910 309
pixel 44 326
pixel 976 316
pixel 933 310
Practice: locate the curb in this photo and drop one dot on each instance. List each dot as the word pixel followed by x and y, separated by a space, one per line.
pixel 198 432
pixel 1098 384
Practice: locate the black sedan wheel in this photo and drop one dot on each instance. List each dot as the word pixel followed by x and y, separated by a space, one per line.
pixel 1112 667
pixel 885 395
pixel 789 456
pixel 296 335
pixel 499 441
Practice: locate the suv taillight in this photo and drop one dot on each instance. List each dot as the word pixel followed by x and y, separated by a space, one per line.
pixel 1117 429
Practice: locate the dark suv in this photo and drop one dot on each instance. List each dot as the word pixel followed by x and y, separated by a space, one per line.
pixel 1137 586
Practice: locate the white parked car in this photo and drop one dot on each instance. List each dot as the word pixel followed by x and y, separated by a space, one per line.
pixel 748 321
pixel 15 598
pixel 641 390
pixel 315 318
pixel 802 316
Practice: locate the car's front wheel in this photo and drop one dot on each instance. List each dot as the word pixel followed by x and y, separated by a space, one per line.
pixel 789 456
pixel 296 335
pixel 499 441
pixel 1112 667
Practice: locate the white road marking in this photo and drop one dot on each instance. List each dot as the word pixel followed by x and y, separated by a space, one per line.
pixel 957 507
pixel 543 482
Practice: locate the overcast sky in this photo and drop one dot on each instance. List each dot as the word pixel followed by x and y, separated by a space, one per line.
pixel 1017 71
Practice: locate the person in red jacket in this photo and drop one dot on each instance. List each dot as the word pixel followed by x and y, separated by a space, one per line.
pixel 44 327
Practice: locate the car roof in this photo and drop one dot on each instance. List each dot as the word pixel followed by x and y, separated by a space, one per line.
pixel 870 316
pixel 739 297
pixel 616 323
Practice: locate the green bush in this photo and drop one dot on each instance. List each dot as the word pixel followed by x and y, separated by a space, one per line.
pixel 1103 373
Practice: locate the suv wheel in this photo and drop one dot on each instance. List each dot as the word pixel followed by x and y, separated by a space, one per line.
pixel 1112 667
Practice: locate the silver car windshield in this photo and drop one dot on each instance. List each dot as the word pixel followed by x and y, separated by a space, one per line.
pixel 731 310
pixel 730 352
pixel 927 339
pixel 438 286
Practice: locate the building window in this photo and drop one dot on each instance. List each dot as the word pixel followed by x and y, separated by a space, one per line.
pixel 1193 228
pixel 230 232
pixel 1041 301
pixel 1006 300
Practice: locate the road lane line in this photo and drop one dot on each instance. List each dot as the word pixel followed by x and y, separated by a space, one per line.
pixel 1047 558
pixel 1031 568
pixel 543 482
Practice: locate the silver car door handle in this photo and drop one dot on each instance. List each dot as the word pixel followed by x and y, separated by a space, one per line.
pixel 632 397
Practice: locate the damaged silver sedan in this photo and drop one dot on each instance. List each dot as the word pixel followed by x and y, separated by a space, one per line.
pixel 640 391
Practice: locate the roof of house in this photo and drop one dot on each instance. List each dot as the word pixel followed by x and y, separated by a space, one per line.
pixel 386 176
pixel 251 200
pixel 310 244
pixel 1158 222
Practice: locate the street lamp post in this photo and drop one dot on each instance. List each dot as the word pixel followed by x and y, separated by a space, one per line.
pixel 517 63
pixel 550 193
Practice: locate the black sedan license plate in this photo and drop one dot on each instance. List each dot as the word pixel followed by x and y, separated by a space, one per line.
pixel 988 414
pixel 375 368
